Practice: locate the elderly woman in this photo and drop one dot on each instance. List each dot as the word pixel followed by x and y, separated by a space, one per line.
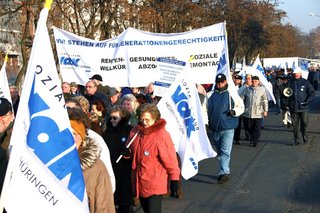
pixel 154 159
pixel 130 103
pixel 115 136
pixel 96 177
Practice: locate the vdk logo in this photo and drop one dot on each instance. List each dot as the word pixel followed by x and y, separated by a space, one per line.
pixel 69 61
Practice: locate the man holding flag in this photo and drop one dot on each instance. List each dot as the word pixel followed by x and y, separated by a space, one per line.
pixel 222 122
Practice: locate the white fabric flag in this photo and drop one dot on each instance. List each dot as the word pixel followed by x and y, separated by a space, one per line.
pixel 258 70
pixel 224 68
pixel 181 108
pixel 44 173
pixel 4 85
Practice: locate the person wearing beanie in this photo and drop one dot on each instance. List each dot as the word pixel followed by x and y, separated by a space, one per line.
pixel 6 124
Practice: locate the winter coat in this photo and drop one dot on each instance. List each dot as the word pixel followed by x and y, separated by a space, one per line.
pixel 154 160
pixel 302 92
pixel 255 102
pixel 96 177
pixel 115 138
pixel 3 166
pixel 218 107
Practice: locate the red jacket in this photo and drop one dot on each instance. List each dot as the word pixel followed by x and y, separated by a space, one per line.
pixel 154 160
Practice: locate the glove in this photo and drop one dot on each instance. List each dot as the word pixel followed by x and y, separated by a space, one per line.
pixel 174 188
pixel 304 104
pixel 231 113
pixel 126 152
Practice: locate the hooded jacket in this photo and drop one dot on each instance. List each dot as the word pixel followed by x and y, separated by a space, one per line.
pixel 96 177
pixel 154 160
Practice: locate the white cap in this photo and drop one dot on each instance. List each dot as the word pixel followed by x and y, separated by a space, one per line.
pixel 297 70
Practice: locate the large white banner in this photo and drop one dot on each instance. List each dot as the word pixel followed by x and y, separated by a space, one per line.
pixel 44 173
pixel 130 59
pixel 181 108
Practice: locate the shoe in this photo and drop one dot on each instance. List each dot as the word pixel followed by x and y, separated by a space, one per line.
pixel 295 144
pixel 251 142
pixel 255 145
pixel 237 142
pixel 223 178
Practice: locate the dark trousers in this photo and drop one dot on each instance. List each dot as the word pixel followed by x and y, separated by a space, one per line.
pixel 152 204
pixel 246 128
pixel 254 128
pixel 315 85
pixel 302 119
pixel 237 131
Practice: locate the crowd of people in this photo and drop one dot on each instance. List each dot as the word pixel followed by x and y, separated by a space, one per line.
pixel 109 122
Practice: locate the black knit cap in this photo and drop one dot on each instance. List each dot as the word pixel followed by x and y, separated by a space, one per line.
pixel 220 78
pixel 5 106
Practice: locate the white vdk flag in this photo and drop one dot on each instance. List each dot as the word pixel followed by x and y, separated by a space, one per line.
pixel 181 108
pixel 4 85
pixel 44 173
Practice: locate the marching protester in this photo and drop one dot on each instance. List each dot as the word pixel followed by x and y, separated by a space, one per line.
pixel 115 136
pixel 276 90
pixel 96 177
pixel 256 108
pixel 66 90
pixel 65 87
pixel 92 93
pixel 313 77
pixel 151 98
pixel 98 115
pixel 113 99
pixel 85 106
pixel 6 123
pixel 298 104
pixel 247 83
pixel 15 98
pixel 98 80
pixel 222 122
pixel 238 83
pixel 74 90
pixel 154 160
pixel 130 103
pixel 105 154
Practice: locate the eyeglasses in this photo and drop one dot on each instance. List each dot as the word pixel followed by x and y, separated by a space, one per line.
pixel 114 118
pixel 145 120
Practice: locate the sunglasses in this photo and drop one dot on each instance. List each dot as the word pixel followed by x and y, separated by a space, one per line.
pixel 114 118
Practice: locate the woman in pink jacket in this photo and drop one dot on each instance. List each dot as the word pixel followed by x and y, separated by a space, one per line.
pixel 154 159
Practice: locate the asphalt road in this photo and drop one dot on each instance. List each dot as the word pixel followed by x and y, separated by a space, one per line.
pixel 273 177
